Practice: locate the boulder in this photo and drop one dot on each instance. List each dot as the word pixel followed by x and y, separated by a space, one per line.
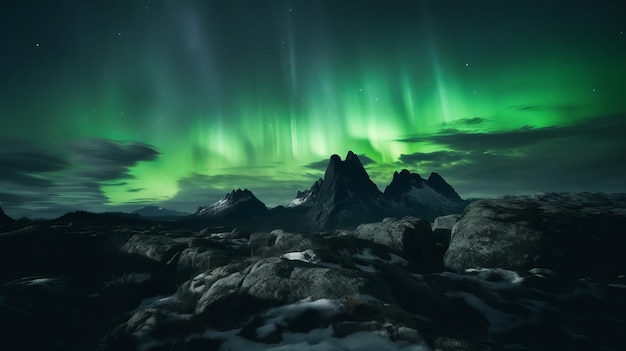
pixel 573 234
pixel 446 222
pixel 442 231
pixel 410 236
pixel 284 281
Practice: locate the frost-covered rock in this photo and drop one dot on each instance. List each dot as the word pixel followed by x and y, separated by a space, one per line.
pixel 577 234
pixel 284 280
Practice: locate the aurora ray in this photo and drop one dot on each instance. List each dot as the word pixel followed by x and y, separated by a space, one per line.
pixel 246 94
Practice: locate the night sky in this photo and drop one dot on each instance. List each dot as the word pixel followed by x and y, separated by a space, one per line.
pixel 112 105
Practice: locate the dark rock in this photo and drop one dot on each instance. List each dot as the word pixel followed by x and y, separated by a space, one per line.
pixel 573 234
pixel 412 237
pixel 454 344
pixel 6 222
pixel 41 313
pixel 282 281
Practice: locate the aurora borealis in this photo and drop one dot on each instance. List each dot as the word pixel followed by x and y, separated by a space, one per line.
pixel 113 105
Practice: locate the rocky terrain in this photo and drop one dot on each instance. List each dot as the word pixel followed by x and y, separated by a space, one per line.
pixel 543 272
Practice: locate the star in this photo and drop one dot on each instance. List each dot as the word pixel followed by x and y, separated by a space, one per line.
pixel 37 44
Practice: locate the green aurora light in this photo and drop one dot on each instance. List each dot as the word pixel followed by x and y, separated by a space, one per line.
pixel 266 93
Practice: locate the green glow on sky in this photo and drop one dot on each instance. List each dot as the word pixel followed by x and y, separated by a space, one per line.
pixel 367 111
pixel 274 96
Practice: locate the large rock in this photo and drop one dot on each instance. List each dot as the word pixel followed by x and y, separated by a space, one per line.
pixel 446 222
pixel 283 281
pixel 442 231
pixel 410 236
pixel 575 234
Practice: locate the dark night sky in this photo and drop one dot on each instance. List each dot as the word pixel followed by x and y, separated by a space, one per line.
pixel 113 105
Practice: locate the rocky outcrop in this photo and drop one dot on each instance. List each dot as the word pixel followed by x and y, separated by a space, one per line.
pixel 411 237
pixel 575 234
pixel 446 222
pixel 136 287
pixel 288 281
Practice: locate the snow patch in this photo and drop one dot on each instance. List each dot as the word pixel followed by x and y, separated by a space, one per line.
pixel 308 256
pixel 215 208
pixel 299 201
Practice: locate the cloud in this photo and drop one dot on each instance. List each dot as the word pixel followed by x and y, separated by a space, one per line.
pixel 20 164
pixel 439 157
pixel 103 159
pixel 535 108
pixel 37 182
pixel 601 128
pixel 586 156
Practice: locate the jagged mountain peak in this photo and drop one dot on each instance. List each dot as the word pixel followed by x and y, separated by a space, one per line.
pixel 234 201
pixel 427 198
pixel 346 196
pixel 239 195
pixel 351 168
pixel 437 182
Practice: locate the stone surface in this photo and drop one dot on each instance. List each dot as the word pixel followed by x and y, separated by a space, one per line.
pixel 576 234
pixel 141 286
pixel 446 222
pixel 410 236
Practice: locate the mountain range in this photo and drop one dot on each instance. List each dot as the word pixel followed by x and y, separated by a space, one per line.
pixel 159 212
pixel 344 198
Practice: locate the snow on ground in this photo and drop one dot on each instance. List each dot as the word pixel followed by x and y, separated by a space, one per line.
pixel 508 277
pixel 368 255
pixel 309 256
pixel 320 339
pixel 368 268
